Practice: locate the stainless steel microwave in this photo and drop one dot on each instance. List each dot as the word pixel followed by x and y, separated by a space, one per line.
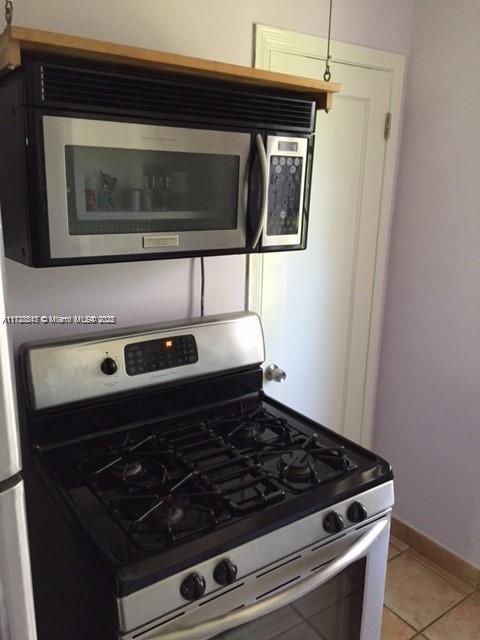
pixel 118 167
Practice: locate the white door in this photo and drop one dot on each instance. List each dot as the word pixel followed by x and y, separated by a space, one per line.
pixel 321 308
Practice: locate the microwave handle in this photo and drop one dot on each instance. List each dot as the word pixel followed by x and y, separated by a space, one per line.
pixel 212 627
pixel 262 155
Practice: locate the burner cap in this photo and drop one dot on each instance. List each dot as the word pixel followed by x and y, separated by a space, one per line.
pixel 247 435
pixel 167 514
pixel 298 471
pixel 173 515
pixel 129 470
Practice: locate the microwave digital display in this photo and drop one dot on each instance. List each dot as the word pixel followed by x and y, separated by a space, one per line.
pixel 285 145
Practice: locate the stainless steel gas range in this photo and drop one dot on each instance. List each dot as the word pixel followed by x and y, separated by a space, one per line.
pixel 169 498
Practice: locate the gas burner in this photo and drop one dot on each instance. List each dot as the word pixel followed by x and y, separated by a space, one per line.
pixel 140 463
pixel 173 515
pixel 140 508
pixel 246 434
pixel 129 470
pixel 156 521
pixel 299 469
pixel 335 457
pixel 305 466
pixel 253 429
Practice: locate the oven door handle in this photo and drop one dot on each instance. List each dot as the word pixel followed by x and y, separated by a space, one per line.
pixel 262 156
pixel 210 628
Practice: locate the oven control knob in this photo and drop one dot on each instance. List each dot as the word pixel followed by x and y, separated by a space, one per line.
pixel 356 512
pixel 109 366
pixel 333 522
pixel 225 572
pixel 193 587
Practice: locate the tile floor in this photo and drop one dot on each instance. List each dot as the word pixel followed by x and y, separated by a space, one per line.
pixel 424 601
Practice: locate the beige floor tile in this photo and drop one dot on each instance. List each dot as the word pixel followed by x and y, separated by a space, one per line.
pixel 395 629
pixel 476 595
pixel 457 582
pixel 393 551
pixel 417 594
pixel 403 546
pixel 461 623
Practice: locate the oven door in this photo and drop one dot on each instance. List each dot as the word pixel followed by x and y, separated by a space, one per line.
pixel 127 189
pixel 331 591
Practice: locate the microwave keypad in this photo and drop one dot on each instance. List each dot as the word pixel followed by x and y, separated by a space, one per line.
pixel 284 190
pixel 155 355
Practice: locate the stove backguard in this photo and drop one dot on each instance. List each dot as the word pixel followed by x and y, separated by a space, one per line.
pixel 98 366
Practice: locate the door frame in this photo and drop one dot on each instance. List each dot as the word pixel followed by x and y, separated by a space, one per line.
pixel 272 39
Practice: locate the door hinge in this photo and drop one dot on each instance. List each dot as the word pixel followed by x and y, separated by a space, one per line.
pixel 388 125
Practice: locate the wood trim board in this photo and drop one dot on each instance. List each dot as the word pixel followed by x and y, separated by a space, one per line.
pixel 16 40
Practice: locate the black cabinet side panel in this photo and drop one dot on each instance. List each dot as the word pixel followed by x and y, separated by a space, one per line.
pixel 13 175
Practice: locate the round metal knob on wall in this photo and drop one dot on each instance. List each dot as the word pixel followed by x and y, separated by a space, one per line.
pixel 274 373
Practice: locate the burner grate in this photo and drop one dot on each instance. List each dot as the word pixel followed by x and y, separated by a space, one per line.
pixel 304 467
pixel 242 483
pixel 170 515
pixel 181 479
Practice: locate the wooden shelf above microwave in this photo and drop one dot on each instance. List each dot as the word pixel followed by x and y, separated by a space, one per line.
pixel 15 41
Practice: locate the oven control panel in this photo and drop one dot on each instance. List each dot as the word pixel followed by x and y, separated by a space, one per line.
pixel 108 362
pixel 155 355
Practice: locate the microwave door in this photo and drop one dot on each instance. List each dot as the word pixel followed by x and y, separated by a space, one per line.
pixel 127 189
pixel 286 160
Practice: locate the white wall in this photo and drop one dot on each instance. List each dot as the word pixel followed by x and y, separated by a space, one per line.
pixel 218 29
pixel 428 411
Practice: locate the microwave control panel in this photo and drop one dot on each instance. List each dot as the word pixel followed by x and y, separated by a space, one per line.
pixel 287 161
pixel 155 355
pixel 284 192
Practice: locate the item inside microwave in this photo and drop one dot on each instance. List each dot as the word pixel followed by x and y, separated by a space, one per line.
pixel 106 195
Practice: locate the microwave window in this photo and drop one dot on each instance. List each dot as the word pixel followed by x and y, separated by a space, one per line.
pixel 112 190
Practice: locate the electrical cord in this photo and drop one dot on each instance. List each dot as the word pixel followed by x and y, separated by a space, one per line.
pixel 202 286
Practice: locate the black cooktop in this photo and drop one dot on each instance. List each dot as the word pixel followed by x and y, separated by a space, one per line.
pixel 165 494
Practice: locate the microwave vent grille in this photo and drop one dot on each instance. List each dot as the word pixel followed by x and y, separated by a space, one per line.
pixel 171 98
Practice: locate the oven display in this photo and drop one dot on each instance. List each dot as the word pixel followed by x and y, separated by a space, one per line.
pixel 155 355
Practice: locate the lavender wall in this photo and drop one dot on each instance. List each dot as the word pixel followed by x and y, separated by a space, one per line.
pixel 218 29
pixel 428 400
